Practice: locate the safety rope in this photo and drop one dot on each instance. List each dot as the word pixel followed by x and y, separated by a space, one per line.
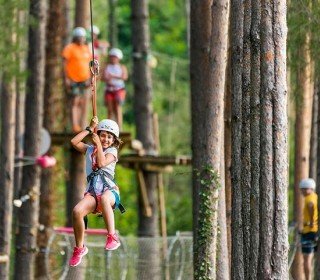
pixel 94 68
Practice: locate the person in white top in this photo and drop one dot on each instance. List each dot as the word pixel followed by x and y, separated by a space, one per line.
pixel 115 75
pixel 102 194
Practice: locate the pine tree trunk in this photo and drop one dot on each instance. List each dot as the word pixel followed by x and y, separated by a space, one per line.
pixel 147 226
pixel 20 100
pixel 314 134
pixel 223 271
pixel 82 15
pixel 236 41
pixel 76 180
pixel 52 111
pixel 266 136
pixel 207 68
pixel 302 144
pixel 317 254
pixel 280 139
pixel 8 100
pixel 255 140
pixel 113 28
pixel 29 212
pixel 245 138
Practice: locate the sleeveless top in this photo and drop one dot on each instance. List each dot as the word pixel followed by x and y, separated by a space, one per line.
pixel 114 84
pixel 110 168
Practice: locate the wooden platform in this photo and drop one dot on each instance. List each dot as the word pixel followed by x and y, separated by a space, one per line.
pixel 153 163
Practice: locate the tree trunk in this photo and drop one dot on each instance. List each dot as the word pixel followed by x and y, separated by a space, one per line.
pixel 236 25
pixel 52 110
pixel 314 134
pixel 8 100
pixel 280 146
pixel 223 272
pixel 76 180
pixel 227 151
pixel 147 226
pixel 266 137
pixel 317 254
pixel 266 208
pixel 29 212
pixel 8 93
pixel 302 137
pixel 82 15
pixel 255 140
pixel 207 69
pixel 113 27
pixel 245 138
pixel 20 100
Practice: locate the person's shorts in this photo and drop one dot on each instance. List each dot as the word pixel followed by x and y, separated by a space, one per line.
pixel 118 95
pixel 309 242
pixel 78 88
pixel 99 206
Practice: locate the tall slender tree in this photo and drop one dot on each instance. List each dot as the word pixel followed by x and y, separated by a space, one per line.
pixel 53 106
pixel 29 211
pixel 147 226
pixel 208 53
pixel 7 147
pixel 265 257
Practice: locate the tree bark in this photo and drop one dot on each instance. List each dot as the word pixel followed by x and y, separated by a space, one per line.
pixel 245 138
pixel 29 211
pixel 255 140
pixel 209 24
pixel 236 25
pixel 147 226
pixel 317 254
pixel 53 105
pixel 223 270
pixel 302 137
pixel 76 180
pixel 113 27
pixel 314 134
pixel 280 148
pixel 8 100
pixel 7 147
pixel 82 15
pixel 266 136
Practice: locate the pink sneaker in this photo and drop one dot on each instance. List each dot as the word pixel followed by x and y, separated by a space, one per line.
pixel 113 242
pixel 77 255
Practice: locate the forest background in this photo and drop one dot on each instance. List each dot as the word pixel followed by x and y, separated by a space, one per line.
pixel 171 100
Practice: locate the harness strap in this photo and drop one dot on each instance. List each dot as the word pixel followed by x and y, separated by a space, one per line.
pixel 92 179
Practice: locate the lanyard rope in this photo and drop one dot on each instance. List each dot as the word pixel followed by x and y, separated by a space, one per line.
pixel 94 68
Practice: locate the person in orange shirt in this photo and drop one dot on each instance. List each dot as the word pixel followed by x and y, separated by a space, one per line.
pixel 77 57
pixel 310 224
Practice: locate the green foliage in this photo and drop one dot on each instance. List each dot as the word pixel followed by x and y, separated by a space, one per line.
pixel 208 193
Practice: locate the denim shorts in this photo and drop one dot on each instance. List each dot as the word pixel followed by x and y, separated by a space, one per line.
pixel 309 242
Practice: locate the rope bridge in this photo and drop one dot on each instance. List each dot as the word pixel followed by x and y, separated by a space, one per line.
pixel 137 257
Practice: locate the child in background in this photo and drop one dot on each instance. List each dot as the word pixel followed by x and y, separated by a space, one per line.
pixel 102 194
pixel 115 75
pixel 310 224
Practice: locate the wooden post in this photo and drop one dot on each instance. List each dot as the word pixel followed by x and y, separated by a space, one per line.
pixel 144 194
pixel 162 203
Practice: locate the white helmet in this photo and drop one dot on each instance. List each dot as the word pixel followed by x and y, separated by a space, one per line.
pixel 95 30
pixel 308 183
pixel 79 32
pixel 109 125
pixel 116 52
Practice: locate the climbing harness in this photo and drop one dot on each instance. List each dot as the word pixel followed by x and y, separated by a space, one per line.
pixel 92 180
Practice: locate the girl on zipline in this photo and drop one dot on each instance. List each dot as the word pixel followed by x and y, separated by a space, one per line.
pixel 115 75
pixel 102 194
